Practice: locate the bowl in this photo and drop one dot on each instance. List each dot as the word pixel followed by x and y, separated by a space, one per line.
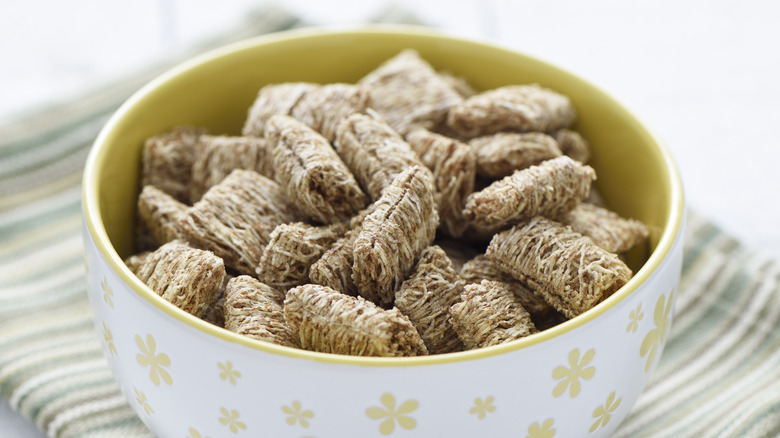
pixel 185 377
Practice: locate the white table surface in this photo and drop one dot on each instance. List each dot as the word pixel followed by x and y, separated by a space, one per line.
pixel 702 74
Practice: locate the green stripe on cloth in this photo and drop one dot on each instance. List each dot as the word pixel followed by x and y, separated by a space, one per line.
pixel 719 374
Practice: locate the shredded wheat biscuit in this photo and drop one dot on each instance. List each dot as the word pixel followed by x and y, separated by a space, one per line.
pixel 271 100
pixel 426 296
pixel 454 167
pixel 481 268
pixel 184 276
pixel 235 218
pixel 561 265
pixel 324 107
pixel 166 161
pixel 334 268
pixel 551 189
pixel 499 155
pixel 458 83
pixel 521 108
pixel 402 224
pixel 160 212
pixel 291 251
pixel 573 144
pixel 253 309
pixel 373 151
pixel 315 178
pixel 606 228
pixel 135 261
pixel 409 93
pixel 217 156
pixel 331 322
pixel 489 314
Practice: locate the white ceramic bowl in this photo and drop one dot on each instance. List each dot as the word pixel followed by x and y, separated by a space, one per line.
pixel 186 378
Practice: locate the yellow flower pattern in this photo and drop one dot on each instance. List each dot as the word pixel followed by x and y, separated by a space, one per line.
pixel 602 414
pixel 109 337
pixel 230 419
pixel 156 362
pixel 297 414
pixel 228 373
pixel 544 430
pixel 656 336
pixel 391 415
pixel 570 377
pixel 195 434
pixel 108 293
pixel 140 398
pixel 633 319
pixel 482 407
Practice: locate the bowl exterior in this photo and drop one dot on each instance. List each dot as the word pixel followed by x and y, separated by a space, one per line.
pixel 182 382
pixel 186 378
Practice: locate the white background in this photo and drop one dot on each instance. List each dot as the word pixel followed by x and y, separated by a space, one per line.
pixel 704 75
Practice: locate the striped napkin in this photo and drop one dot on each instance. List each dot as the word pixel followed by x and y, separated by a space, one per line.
pixel 719 374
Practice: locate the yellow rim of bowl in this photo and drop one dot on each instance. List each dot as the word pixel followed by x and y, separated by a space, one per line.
pixel 93 171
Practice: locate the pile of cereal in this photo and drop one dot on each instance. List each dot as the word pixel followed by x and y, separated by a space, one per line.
pixel 345 219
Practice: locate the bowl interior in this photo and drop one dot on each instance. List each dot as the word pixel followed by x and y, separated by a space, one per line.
pixel 635 174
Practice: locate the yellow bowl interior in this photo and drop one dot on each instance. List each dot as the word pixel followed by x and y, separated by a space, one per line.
pixel 635 172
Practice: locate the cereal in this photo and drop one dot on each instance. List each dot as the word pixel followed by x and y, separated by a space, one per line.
pixel 235 218
pixel 160 212
pixel 321 107
pixel 458 83
pixel 166 161
pixel 328 207
pixel 135 261
pixel 573 144
pixel 521 108
pixel 331 322
pixel 566 268
pixel 402 225
pixel 605 228
pixel 184 276
pixel 324 107
pixel 315 178
pixel 426 296
pixel 481 268
pixel 489 314
pixel 219 155
pixel 408 93
pixel 500 154
pixel 254 309
pixel 334 268
pixel 292 249
pixel 454 167
pixel 550 189
pixel 271 100
pixel 373 151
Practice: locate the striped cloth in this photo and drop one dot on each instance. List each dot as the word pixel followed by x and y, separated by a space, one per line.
pixel 719 374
